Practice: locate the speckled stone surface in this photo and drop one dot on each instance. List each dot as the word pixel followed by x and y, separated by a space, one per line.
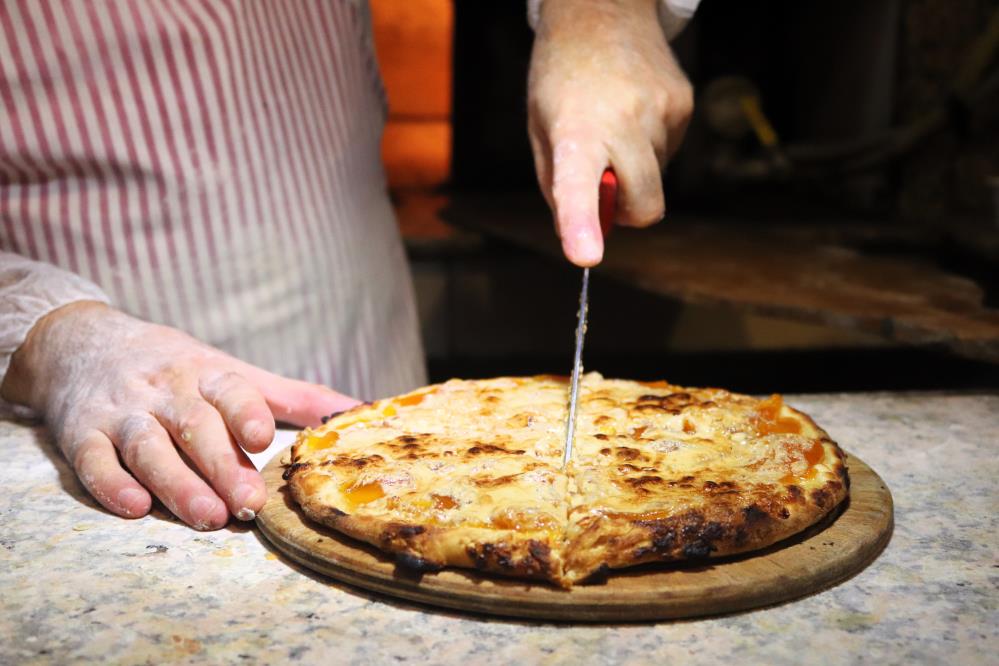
pixel 81 585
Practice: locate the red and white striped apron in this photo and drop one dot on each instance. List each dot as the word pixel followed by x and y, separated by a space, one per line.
pixel 212 165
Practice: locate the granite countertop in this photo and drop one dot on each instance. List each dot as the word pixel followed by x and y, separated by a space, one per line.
pixel 78 584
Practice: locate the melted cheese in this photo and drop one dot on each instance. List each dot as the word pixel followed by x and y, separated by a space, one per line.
pixel 488 453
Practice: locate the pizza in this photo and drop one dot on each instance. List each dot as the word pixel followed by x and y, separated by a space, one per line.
pixel 469 473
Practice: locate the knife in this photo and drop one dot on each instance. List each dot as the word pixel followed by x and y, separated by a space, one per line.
pixel 606 206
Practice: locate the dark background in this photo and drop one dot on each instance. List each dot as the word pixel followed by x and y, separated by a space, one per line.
pixel 831 76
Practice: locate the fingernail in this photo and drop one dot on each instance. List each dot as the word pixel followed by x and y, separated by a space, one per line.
pixel 201 509
pixel 242 496
pixel 584 245
pixel 128 498
pixel 255 432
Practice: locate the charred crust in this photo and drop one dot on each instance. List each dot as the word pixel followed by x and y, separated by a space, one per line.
pixel 663 537
pixel 753 515
pixel 663 540
pixel 605 451
pixel 602 437
pixel 703 544
pixel 697 550
pixel 293 468
pixel 541 554
pixel 401 531
pixel 479 554
pixel 415 563
pixel 795 493
pixel 536 562
pixel 491 556
pixel 331 512
pixel 598 574
pixel 784 513
pixel 821 497
pixel 840 469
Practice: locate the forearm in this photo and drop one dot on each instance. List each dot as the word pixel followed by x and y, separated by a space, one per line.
pixel 30 290
pixel 583 34
pixel 672 15
pixel 28 379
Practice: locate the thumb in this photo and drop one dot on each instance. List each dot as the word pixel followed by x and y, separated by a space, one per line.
pixel 301 403
pixel 576 172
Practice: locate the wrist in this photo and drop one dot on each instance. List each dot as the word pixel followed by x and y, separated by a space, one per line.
pixel 595 15
pixel 30 370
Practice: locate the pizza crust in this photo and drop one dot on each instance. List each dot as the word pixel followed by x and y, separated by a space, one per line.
pixel 468 474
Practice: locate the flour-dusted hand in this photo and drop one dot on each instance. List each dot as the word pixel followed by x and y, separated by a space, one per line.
pixel 604 90
pixel 177 413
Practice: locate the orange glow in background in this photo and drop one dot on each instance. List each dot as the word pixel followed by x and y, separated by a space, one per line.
pixel 413 43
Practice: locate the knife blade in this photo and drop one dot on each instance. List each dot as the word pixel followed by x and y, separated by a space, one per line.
pixel 607 205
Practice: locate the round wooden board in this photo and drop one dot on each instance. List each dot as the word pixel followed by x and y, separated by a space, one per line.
pixel 826 554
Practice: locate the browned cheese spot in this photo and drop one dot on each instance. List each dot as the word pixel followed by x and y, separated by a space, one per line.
pixel 481 449
pixel 522 420
pixel 627 453
pixel 494 481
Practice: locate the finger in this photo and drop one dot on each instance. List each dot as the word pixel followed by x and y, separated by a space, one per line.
pixel 200 432
pixel 640 201
pixel 243 409
pixel 299 403
pixel 150 455
pixel 97 466
pixel 681 110
pixel 576 168
pixel 541 150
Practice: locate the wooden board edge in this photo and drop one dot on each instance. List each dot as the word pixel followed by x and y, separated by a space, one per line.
pixel 541 605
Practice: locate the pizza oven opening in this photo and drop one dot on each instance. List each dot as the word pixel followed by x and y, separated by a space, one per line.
pixel 843 160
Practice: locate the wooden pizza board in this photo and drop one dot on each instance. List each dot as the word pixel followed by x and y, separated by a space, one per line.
pixel 826 554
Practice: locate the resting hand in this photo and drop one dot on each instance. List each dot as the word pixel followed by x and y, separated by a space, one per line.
pixel 177 413
pixel 604 90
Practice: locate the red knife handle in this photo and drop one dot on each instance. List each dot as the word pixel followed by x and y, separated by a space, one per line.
pixel 608 200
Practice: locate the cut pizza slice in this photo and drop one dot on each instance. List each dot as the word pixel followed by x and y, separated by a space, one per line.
pixel 663 473
pixel 466 474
